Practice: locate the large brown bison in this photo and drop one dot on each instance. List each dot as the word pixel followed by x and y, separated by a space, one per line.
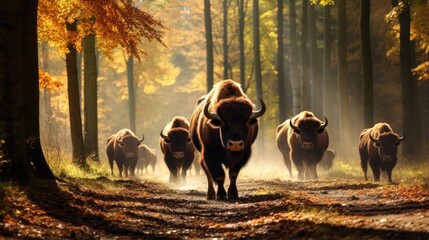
pixel 303 139
pixel 147 156
pixel 122 148
pixel 379 146
pixel 177 147
pixel 223 128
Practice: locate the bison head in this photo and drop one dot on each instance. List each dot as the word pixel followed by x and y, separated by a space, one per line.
pixel 130 145
pixel 307 129
pixel 234 117
pixel 177 141
pixel 387 145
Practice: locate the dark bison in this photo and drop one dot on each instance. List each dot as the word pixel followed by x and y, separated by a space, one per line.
pixel 327 159
pixel 147 156
pixel 303 139
pixel 378 146
pixel 223 129
pixel 122 148
pixel 177 147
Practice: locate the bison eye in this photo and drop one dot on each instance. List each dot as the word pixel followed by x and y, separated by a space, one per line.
pixel 215 123
pixel 188 140
pixel 166 140
pixel 376 144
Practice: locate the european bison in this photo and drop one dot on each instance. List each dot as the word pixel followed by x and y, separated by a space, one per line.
pixel 223 129
pixel 147 156
pixel 327 159
pixel 122 148
pixel 303 139
pixel 378 146
pixel 177 147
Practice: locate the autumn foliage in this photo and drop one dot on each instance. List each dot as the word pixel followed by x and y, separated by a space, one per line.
pixel 116 23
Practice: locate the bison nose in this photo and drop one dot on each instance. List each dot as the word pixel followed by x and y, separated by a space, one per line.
pixel 307 145
pixel 179 154
pixel 235 146
pixel 129 154
pixel 387 158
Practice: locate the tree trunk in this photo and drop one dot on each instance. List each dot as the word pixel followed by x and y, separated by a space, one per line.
pixel 225 39
pixel 280 63
pixel 241 44
pixel 294 71
pixel 342 75
pixel 305 96
pixel 209 44
pixel 407 79
pixel 258 70
pixel 317 98
pixel 368 99
pixel 90 98
pixel 74 102
pixel 131 93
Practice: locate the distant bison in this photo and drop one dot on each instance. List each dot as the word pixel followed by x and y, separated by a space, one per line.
pixel 327 159
pixel 303 139
pixel 122 148
pixel 379 146
pixel 147 156
pixel 223 129
pixel 177 147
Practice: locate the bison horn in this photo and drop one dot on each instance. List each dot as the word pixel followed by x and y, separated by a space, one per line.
pixel 208 114
pixel 260 112
pixel 163 136
pixel 324 124
pixel 294 127
pixel 141 140
pixel 373 139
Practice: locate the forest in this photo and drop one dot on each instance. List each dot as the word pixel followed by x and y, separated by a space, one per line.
pixel 74 73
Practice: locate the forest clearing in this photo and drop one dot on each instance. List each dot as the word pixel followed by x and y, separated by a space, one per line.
pixel 146 208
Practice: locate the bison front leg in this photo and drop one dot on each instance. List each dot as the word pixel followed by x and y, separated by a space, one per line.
pixel 232 190
pixel 375 170
pixel 210 191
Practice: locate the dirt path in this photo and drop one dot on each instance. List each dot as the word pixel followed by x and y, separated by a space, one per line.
pixel 274 209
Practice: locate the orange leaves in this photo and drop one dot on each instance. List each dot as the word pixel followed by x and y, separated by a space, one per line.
pixel 49 82
pixel 115 23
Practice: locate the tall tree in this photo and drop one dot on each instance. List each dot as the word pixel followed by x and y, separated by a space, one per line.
pixel 405 53
pixel 209 44
pixel 368 99
pixel 225 6
pixel 342 74
pixel 131 93
pixel 317 98
pixel 90 98
pixel 293 58
pixel 74 101
pixel 241 15
pixel 305 96
pixel 280 63
pixel 19 93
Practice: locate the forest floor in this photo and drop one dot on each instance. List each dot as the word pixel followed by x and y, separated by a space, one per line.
pixel 104 208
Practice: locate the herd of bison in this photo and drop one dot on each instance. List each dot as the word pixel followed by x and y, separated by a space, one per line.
pixel 223 127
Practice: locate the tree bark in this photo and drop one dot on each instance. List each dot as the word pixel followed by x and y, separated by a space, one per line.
pixel 74 102
pixel 90 98
pixel 407 79
pixel 241 44
pixel 342 75
pixel 225 39
pixel 317 94
pixel 305 96
pixel 368 83
pixel 293 48
pixel 131 93
pixel 209 44
pixel 280 63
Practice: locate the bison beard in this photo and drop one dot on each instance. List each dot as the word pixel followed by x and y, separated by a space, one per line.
pixel 223 127
pixel 303 139
pixel 378 146
pixel 122 148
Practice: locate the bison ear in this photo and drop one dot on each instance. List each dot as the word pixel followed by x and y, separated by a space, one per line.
pixel 253 121
pixel 215 123
pixel 188 140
